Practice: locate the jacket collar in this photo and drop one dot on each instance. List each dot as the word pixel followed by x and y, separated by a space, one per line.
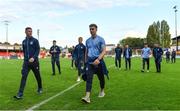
pixel 29 37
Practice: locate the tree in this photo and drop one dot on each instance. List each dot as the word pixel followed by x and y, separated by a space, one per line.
pixel 152 35
pixel 133 42
pixel 70 49
pixel 165 34
pixel 159 33
pixel 16 44
pixel 43 48
pixel 6 43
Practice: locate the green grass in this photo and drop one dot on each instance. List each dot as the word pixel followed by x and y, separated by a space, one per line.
pixel 125 90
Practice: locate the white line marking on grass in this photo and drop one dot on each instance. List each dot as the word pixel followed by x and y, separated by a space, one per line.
pixel 58 94
pixel 52 97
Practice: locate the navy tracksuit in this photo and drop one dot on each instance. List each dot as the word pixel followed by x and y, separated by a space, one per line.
pixel 31 49
pixel 167 56
pixel 118 53
pixel 127 55
pixel 73 58
pixel 90 70
pixel 79 54
pixel 55 58
pixel 157 53
pixel 173 57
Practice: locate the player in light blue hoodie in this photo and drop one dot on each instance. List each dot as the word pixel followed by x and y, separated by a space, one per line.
pixel 145 54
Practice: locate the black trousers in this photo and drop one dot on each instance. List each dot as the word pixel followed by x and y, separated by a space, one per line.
pixel 91 70
pixel 167 59
pixel 158 64
pixel 73 63
pixel 118 62
pixel 80 66
pixel 173 59
pixel 53 61
pixel 146 61
pixel 27 66
pixel 128 63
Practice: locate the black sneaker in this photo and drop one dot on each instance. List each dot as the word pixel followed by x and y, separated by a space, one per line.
pixel 142 70
pixel 40 91
pixel 18 97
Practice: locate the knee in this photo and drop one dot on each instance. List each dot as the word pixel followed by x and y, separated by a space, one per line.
pixel 52 62
pixel 57 62
pixel 24 72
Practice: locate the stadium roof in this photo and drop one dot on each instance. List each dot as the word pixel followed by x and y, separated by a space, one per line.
pixel 178 37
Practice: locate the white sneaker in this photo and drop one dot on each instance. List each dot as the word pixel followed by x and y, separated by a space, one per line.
pixel 101 94
pixel 78 79
pixel 86 99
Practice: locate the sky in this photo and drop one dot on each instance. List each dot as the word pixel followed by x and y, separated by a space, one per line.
pixel 66 20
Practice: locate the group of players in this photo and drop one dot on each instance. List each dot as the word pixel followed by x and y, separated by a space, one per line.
pixel 146 53
pixel 88 60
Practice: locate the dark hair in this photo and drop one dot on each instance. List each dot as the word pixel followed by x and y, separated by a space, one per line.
pixel 93 25
pixel 27 28
pixel 145 43
pixel 80 38
pixel 54 40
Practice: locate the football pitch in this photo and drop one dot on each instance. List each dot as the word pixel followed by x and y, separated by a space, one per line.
pixel 125 90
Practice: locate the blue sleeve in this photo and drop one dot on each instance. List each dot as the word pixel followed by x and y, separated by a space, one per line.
pixel 130 52
pixel 102 43
pixel 50 50
pixel 75 52
pixel 115 51
pixel 86 46
pixel 84 49
pixel 142 51
pixel 72 52
pixel 121 51
pixel 58 50
pixel 149 51
pixel 161 51
pixel 23 48
pixel 37 49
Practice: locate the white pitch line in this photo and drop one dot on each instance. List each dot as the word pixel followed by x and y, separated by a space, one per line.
pixel 58 94
pixel 52 97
